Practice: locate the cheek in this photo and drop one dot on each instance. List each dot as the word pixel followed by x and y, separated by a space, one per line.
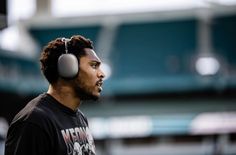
pixel 86 77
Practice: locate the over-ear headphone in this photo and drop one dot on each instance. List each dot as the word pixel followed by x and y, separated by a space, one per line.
pixel 68 66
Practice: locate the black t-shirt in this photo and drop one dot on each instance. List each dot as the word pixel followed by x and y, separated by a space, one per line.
pixel 46 127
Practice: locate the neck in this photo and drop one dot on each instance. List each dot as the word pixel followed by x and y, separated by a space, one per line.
pixel 65 95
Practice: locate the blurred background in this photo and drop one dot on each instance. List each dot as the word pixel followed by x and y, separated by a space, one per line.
pixel 170 64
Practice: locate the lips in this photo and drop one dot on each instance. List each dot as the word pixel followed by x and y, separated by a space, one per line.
pixel 99 84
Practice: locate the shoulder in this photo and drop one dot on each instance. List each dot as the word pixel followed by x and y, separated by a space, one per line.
pixel 35 111
pixel 36 114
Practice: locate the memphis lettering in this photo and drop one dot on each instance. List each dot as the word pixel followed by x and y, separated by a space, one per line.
pixel 79 141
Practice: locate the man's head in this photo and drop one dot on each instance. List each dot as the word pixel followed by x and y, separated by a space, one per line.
pixel 87 83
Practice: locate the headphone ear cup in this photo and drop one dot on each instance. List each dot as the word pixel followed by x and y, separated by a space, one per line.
pixel 68 66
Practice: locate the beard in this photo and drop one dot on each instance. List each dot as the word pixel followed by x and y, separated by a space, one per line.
pixel 83 92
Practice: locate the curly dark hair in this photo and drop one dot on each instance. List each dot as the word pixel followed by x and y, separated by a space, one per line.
pixel 54 49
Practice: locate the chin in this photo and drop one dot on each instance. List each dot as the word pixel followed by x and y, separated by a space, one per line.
pixel 92 96
pixel 96 96
pixel 87 94
pixel 89 97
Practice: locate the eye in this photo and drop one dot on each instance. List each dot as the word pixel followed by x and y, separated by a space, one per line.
pixel 94 65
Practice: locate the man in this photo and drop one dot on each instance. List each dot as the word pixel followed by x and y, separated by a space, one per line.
pixel 52 124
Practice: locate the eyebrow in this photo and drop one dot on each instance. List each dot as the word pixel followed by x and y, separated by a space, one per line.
pixel 96 61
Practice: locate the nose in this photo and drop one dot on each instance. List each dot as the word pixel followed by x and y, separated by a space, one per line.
pixel 101 74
